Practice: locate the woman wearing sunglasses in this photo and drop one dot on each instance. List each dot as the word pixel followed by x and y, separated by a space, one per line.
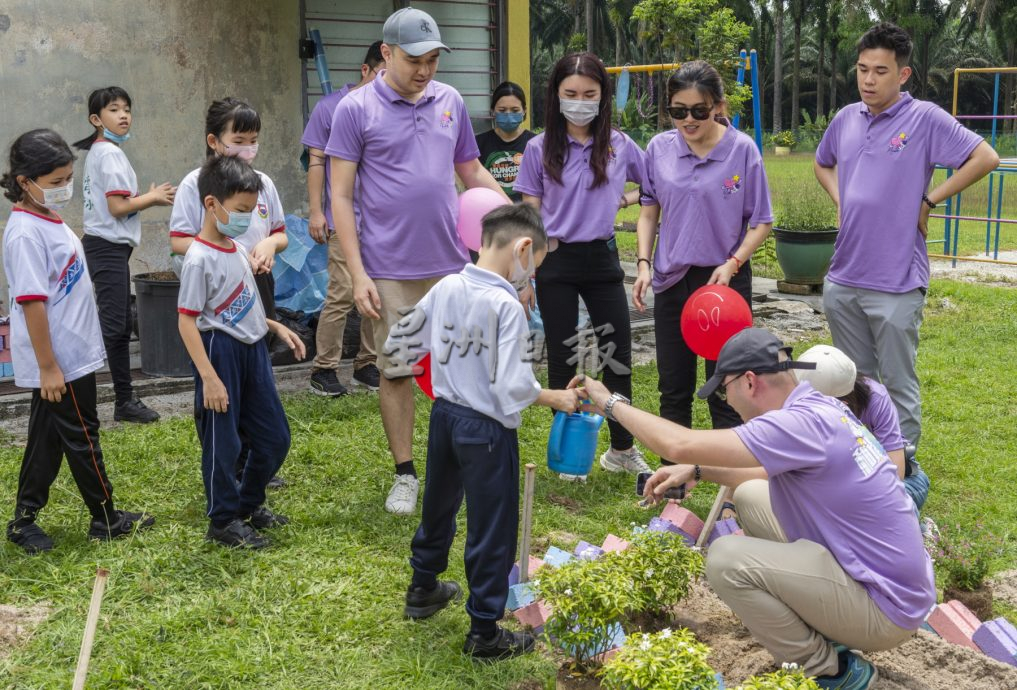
pixel 706 186
pixel 575 174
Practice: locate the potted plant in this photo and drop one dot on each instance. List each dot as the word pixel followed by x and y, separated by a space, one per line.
pixel 789 677
pixel 783 142
pixel 805 230
pixel 665 660
pixel 963 562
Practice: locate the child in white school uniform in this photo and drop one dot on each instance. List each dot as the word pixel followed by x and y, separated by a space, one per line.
pixel 112 231
pixel 56 343
pixel 475 328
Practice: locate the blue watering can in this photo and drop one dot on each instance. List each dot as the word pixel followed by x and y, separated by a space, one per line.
pixel 573 442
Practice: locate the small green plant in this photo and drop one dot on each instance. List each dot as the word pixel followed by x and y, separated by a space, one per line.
pixel 666 660
pixel 790 677
pixel 785 138
pixel 662 569
pixel 964 559
pixel 810 210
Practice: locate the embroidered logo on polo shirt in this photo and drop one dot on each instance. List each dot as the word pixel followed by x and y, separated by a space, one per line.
pixel 446 119
pixel 898 142
pixel 732 185
pixel 69 277
pixel 611 155
pixel 262 210
pixel 236 305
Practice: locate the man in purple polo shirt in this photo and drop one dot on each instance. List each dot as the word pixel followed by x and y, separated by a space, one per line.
pixel 339 299
pixel 875 161
pixel 402 139
pixel 832 558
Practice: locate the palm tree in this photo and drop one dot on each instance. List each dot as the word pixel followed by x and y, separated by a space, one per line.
pixel 797 15
pixel 778 63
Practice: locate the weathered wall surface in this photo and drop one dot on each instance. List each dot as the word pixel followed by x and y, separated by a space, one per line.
pixel 173 57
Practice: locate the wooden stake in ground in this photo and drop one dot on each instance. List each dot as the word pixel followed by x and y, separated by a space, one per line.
pixel 524 551
pixel 93 620
pixel 723 495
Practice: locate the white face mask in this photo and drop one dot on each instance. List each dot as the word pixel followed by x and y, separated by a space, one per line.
pixel 579 113
pixel 55 198
pixel 520 275
pixel 244 153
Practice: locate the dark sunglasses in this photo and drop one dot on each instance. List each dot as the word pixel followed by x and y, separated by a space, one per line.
pixel 699 112
pixel 722 388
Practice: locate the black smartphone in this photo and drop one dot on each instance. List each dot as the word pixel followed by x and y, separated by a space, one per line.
pixel 676 492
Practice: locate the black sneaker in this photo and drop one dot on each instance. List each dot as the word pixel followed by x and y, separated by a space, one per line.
pixel 367 376
pixel 421 603
pixel 29 536
pixel 236 534
pixel 503 645
pixel 123 523
pixel 276 482
pixel 263 518
pixel 135 411
pixel 325 382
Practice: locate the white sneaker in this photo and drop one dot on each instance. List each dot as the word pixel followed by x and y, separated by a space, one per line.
pixel 402 498
pixel 630 460
pixel 581 478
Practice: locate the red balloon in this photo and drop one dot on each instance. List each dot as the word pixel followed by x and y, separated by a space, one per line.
pixel 423 377
pixel 712 314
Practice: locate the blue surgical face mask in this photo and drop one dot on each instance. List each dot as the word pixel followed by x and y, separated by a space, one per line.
pixel 508 122
pixel 237 224
pixel 115 138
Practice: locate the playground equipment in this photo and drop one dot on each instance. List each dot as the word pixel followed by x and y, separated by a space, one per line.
pixel 993 211
pixel 747 62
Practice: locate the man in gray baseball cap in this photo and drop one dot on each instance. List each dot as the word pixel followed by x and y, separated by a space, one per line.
pixel 414 31
pixel 753 349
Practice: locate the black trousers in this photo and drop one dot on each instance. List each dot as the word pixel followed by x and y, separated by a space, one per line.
pixel 470 454
pixel 266 291
pixel 590 270
pixel 68 428
pixel 676 363
pixel 108 266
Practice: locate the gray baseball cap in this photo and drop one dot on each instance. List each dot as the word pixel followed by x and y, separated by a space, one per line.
pixel 415 31
pixel 752 349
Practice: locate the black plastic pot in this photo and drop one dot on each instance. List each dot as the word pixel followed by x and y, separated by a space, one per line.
pixel 162 351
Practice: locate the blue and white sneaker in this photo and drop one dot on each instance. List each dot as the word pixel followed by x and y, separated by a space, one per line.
pixel 859 675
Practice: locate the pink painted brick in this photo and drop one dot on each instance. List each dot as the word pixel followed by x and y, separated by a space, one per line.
pixel 723 528
pixel 683 518
pixel 535 563
pixel 606 656
pixel 998 639
pixel 955 623
pixel 533 615
pixel 613 543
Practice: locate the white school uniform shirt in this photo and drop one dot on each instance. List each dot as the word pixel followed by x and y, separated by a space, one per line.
pixel 109 173
pixel 188 212
pixel 475 328
pixel 217 286
pixel 45 262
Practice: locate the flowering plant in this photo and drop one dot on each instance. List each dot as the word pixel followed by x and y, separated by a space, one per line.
pixel 666 660
pixel 964 560
pixel 785 137
pixel 789 677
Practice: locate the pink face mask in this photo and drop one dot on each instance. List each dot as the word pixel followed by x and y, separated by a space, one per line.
pixel 244 153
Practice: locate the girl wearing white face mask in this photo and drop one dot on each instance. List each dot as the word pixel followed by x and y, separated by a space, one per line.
pixel 575 174
pixel 232 127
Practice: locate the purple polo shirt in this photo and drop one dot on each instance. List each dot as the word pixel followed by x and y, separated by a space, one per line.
pixel 316 133
pixel 832 483
pixel 573 211
pixel 406 154
pixel 884 164
pixel 881 417
pixel 705 203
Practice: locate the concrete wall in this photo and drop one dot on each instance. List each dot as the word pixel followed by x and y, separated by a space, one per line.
pixel 173 57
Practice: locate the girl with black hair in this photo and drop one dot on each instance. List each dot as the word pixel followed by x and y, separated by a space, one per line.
pixel 56 343
pixel 575 174
pixel 706 188
pixel 231 129
pixel 502 147
pixel 112 231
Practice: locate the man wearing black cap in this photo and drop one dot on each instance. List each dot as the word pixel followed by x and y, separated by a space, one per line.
pixel 832 559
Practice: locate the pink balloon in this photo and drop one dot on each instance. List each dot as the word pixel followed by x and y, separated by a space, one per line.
pixel 474 204
pixel 712 314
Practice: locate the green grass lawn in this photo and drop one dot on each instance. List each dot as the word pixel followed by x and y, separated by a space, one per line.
pixel 322 608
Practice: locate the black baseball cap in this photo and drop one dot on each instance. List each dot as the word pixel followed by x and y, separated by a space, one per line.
pixel 752 349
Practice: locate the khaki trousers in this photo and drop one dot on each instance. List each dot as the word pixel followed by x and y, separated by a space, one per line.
pixel 332 321
pixel 795 598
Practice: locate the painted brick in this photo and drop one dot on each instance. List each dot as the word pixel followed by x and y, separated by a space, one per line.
pixel 660 525
pixel 928 628
pixel 519 595
pixel 955 623
pixel 683 518
pixel 535 563
pixel 556 558
pixel 998 639
pixel 587 551
pixel 6 369
pixel 723 528
pixel 534 615
pixel 613 543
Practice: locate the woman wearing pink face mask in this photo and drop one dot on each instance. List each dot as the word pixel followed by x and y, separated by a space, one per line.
pixel 231 129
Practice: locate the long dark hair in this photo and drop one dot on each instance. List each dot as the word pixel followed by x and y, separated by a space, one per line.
pixel 508 88
pixel 555 136
pixel 859 397
pixel 97 100
pixel 701 76
pixel 230 113
pixel 34 154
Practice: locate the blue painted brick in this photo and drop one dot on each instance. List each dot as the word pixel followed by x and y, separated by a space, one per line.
pixel 660 525
pixel 556 558
pixel 519 595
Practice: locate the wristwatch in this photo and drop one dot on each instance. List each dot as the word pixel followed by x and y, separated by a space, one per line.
pixel 609 405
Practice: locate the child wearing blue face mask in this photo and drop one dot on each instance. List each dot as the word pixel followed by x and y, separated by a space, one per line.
pixel 501 148
pixel 222 323
pixel 112 231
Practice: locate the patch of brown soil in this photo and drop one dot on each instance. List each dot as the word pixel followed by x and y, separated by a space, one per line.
pixel 16 625
pixel 569 504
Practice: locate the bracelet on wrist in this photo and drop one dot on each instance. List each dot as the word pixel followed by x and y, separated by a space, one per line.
pixel 641 260
pixel 928 202
pixel 738 263
pixel 697 473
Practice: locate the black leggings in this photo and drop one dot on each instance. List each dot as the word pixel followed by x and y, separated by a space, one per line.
pixel 589 270
pixel 676 363
pixel 109 269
